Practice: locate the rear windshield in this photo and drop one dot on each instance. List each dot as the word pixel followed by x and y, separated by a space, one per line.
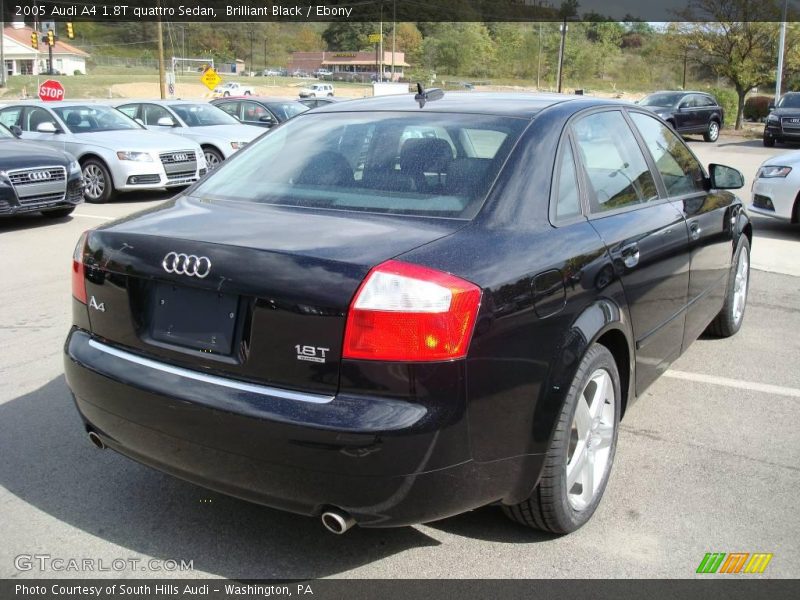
pixel 430 164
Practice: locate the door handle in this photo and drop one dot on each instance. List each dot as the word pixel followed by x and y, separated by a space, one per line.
pixel 630 255
pixel 695 230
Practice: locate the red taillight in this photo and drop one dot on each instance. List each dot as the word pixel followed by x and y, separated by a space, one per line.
pixel 78 273
pixel 406 312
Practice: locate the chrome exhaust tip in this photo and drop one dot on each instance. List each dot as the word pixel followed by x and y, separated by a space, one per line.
pixel 337 522
pixel 95 439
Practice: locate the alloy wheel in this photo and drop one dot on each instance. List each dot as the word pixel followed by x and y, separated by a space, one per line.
pixel 94 181
pixel 212 160
pixel 713 131
pixel 740 285
pixel 591 438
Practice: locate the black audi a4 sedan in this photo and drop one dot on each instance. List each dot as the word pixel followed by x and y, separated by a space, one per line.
pixel 688 112
pixel 400 310
pixel 36 178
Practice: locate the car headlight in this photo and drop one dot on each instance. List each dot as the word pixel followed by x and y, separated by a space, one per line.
pixel 135 156
pixel 771 171
pixel 773 119
pixel 238 145
pixel 74 167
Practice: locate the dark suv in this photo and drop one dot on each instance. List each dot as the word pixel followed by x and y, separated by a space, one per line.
pixel 393 310
pixel 783 122
pixel 688 112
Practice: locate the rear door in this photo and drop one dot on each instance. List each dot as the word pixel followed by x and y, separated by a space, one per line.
pixel 645 235
pixel 708 215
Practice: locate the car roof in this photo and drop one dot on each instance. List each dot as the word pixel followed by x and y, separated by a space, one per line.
pixel 60 104
pixel 488 103
pixel 256 98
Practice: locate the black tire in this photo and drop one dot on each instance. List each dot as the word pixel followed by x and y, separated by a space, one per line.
pixel 213 157
pixel 247 93
pixel 330 95
pixel 98 185
pixel 226 94
pixel 769 141
pixel 711 133
pixel 729 320
pixel 58 213
pixel 548 507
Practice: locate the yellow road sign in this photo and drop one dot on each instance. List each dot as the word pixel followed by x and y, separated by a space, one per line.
pixel 374 38
pixel 210 79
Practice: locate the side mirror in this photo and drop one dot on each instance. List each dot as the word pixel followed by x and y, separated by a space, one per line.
pixel 165 122
pixel 266 119
pixel 16 130
pixel 771 106
pixel 46 127
pixel 725 178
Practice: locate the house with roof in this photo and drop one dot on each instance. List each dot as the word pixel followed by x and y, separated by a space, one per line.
pixel 22 59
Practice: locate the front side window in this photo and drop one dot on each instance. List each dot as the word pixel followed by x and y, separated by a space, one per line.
pixel 396 163
pixel 93 118
pixel 616 169
pixel 679 169
pixel 34 117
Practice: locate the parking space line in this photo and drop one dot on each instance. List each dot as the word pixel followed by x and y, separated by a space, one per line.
pixel 102 218
pixel 739 384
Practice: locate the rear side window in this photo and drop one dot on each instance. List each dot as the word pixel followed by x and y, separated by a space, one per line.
pixel 567 198
pixel 681 172
pixel 396 163
pixel 616 169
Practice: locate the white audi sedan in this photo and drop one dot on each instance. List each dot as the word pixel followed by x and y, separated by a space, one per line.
pixel 776 189
pixel 217 132
pixel 115 153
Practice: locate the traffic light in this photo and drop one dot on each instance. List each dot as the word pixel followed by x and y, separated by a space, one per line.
pixel 35 40
pixel 51 37
pixel 70 31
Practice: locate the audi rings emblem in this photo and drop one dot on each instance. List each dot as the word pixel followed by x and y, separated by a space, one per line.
pixel 39 175
pixel 187 264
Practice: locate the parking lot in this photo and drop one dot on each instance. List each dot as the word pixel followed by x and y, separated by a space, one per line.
pixel 708 460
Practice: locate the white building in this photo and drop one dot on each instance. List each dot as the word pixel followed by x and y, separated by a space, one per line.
pixel 22 59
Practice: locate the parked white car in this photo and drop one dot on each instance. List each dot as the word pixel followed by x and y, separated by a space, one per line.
pixel 217 132
pixel 776 189
pixel 115 153
pixel 233 88
pixel 317 90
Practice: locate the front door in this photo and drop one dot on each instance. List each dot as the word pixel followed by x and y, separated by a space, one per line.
pixel 645 235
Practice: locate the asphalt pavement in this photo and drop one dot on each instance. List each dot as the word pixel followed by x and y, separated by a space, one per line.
pixel 708 459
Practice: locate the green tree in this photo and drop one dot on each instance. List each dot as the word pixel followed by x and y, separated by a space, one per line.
pixel 348 36
pixel 740 45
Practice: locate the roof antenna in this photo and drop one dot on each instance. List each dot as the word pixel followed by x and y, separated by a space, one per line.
pixel 422 96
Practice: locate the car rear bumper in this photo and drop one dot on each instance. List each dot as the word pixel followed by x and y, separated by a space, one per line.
pixel 386 462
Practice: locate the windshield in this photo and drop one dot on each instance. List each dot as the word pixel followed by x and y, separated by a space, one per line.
pixel 789 101
pixel 202 115
pixel 661 99
pixel 90 119
pixel 287 110
pixel 5 133
pixel 432 164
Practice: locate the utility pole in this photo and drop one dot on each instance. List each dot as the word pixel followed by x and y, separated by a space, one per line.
pixel 394 33
pixel 2 46
pixel 161 73
pixel 561 53
pixel 685 59
pixel 380 76
pixel 781 44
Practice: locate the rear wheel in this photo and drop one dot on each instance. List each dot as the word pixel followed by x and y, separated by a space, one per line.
pixel 98 185
pixel 581 453
pixel 712 132
pixel 58 213
pixel 729 320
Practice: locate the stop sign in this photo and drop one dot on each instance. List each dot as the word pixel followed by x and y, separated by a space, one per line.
pixel 51 91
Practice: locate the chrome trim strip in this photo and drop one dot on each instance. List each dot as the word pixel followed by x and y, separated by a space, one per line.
pixel 261 390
